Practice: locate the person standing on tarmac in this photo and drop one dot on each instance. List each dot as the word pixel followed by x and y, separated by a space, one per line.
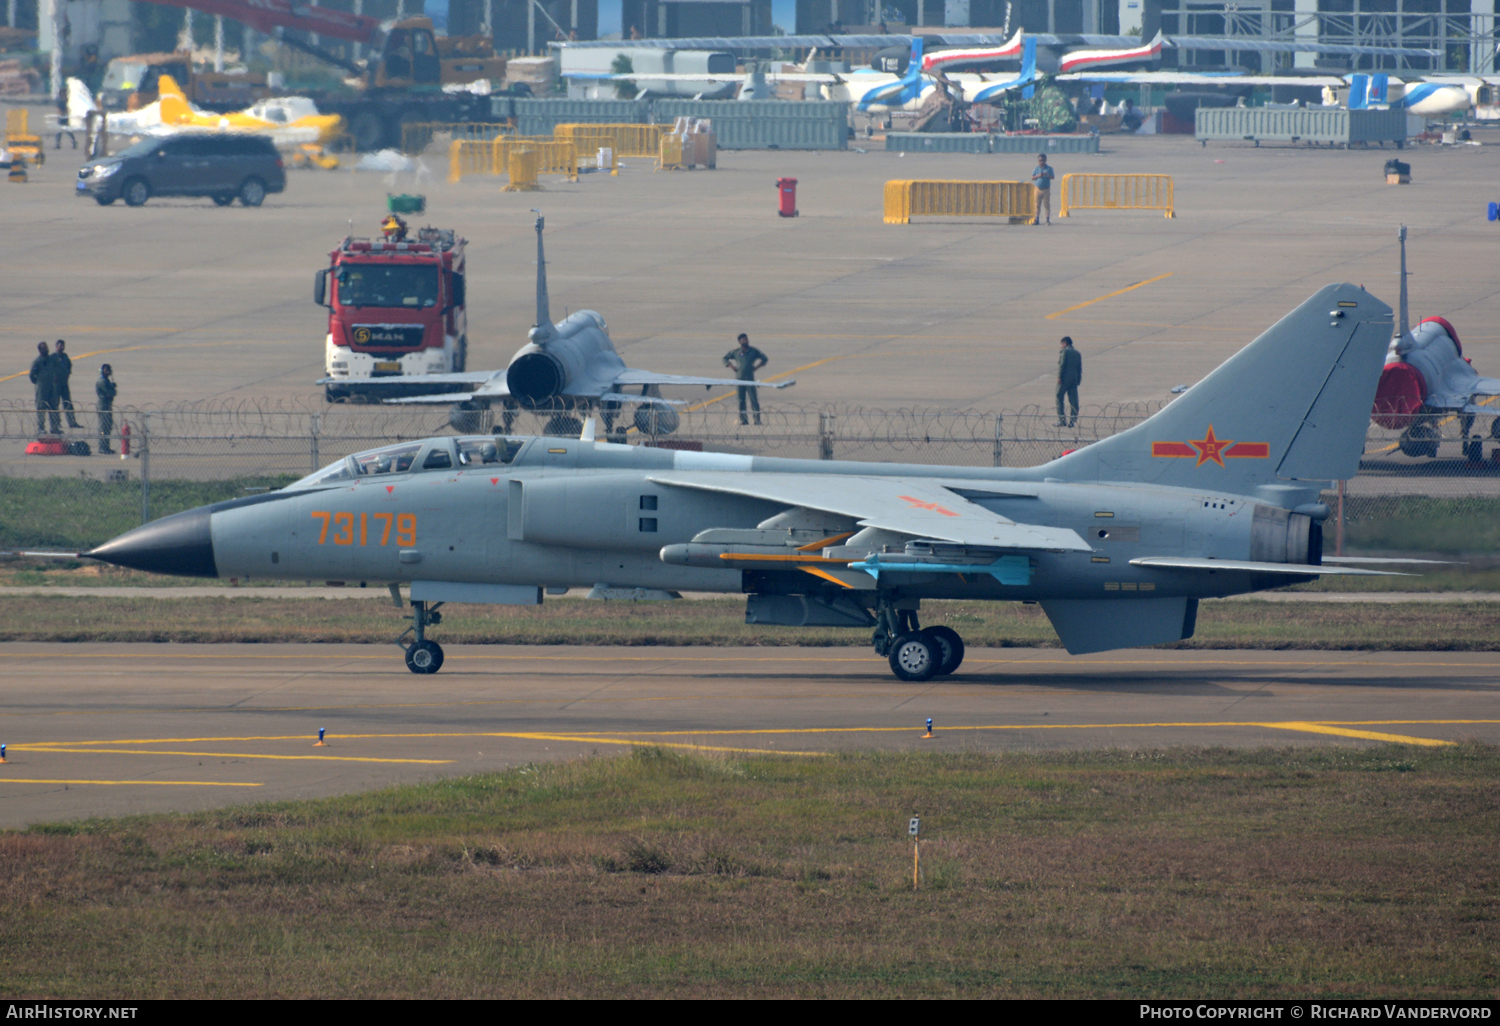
pixel 745 361
pixel 105 390
pixel 1069 377
pixel 62 371
pixel 1042 177
pixel 43 376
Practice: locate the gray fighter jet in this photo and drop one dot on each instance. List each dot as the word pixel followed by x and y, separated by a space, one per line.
pixel 564 367
pixel 1215 495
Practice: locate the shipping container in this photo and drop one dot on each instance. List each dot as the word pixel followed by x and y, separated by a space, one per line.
pixel 766 124
pixel 538 116
pixel 1310 125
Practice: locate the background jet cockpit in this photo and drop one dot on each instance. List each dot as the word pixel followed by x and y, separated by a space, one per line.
pixel 415 457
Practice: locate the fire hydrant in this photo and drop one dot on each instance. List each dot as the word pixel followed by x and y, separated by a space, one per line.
pixel 787 188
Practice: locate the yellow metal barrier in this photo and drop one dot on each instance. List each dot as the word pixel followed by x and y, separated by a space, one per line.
pixel 907 199
pixel 671 155
pixel 19 138
pixel 624 140
pixel 523 170
pixel 1117 192
pixel 416 135
pixel 493 157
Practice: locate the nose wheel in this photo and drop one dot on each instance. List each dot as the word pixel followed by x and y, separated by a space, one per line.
pixel 422 655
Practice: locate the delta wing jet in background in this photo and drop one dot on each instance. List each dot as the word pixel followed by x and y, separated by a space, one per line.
pixel 568 366
pixel 1217 494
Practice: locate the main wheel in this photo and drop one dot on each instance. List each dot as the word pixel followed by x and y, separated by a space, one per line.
pixel 253 192
pixel 913 657
pixel 223 199
pixel 949 647
pixel 425 657
pixel 136 192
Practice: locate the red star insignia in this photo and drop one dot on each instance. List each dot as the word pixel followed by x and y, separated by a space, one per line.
pixel 1210 448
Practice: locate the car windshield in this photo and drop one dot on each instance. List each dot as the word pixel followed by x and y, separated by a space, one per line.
pixel 139 149
pixel 387 285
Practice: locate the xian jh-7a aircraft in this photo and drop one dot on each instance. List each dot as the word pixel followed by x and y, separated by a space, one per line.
pixel 1217 494
pixel 1426 378
pixel 288 120
pixel 567 366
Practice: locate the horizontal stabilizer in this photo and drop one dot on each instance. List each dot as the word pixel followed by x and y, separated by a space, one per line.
pixel 645 377
pixel 1251 566
pixel 1382 559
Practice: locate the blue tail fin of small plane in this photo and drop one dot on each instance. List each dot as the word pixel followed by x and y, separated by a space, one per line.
pixel 1028 68
pixel 1379 88
pixel 1359 92
pixel 915 67
pixel 1292 406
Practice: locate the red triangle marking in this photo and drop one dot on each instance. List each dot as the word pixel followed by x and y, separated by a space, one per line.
pixel 494 480
pixel 390 488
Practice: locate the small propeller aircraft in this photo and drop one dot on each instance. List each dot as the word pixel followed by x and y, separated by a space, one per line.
pixel 289 120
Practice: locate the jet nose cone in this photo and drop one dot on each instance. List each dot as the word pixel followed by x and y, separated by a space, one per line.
pixel 179 544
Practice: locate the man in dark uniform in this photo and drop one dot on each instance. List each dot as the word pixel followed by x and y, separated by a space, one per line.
pixel 43 376
pixel 1069 377
pixel 104 390
pixel 745 361
pixel 62 370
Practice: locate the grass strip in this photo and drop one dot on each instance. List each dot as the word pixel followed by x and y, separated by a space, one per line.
pixel 572 621
pixel 1280 873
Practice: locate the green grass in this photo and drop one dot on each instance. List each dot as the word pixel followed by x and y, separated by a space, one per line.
pixel 1417 523
pixel 115 616
pixel 1332 872
pixel 76 513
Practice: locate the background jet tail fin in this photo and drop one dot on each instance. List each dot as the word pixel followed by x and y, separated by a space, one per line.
pixel 1292 405
pixel 543 331
pixel 1028 67
pixel 1359 92
pixel 174 106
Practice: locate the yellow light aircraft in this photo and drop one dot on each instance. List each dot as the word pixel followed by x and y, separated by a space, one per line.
pixel 290 120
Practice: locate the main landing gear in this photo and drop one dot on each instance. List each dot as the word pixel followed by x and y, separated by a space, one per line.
pixel 914 653
pixel 422 656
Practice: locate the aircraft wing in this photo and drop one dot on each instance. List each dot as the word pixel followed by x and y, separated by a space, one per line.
pixel 406 380
pixel 920 507
pixel 1188 78
pixel 1199 565
pixel 685 76
pixel 645 377
pixel 1463 401
pixel 440 397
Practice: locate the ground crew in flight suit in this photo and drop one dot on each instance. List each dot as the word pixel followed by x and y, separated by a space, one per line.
pixel 62 370
pixel 1069 377
pixel 43 376
pixel 105 390
pixel 745 361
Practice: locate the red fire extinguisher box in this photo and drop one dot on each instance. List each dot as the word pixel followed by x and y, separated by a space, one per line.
pixel 786 188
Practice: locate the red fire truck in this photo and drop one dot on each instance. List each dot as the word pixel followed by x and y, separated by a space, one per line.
pixel 394 309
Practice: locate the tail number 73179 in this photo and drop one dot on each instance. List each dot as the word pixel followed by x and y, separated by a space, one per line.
pixel 366 528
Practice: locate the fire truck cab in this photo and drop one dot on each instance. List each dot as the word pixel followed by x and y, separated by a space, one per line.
pixel 394 309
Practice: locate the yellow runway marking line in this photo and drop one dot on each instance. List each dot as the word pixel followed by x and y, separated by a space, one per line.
pixel 1111 295
pixel 58 750
pixel 163 783
pixel 1368 735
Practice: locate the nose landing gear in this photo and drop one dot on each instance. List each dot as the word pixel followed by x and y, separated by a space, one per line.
pixel 422 656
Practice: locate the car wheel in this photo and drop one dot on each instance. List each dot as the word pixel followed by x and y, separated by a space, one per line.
pixel 253 192
pixel 104 201
pixel 136 192
pixel 223 199
pixel 367 131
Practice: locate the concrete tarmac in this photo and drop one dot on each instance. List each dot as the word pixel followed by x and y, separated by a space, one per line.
pixel 189 301
pixel 116 729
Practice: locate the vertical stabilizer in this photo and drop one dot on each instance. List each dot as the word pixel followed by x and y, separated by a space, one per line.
pixel 1291 406
pixel 1359 92
pixel 542 331
pixel 1028 68
pixel 1404 328
pixel 174 107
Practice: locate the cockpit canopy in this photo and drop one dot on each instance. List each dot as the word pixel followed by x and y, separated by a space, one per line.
pixel 416 457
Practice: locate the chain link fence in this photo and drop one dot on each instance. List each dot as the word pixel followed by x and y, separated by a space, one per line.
pixel 170 458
